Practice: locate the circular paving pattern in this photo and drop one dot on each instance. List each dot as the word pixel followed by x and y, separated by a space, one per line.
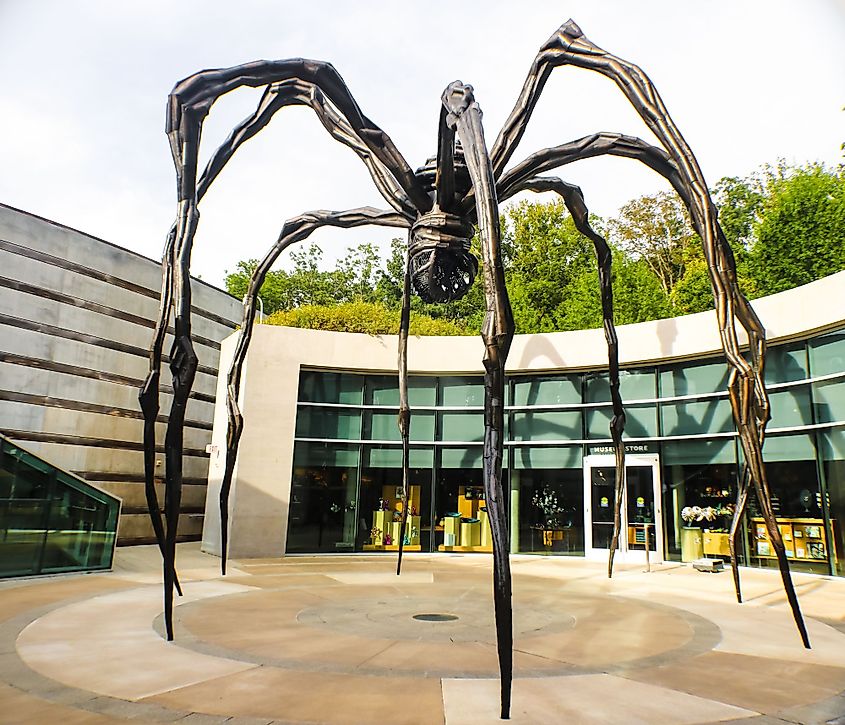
pixel 344 641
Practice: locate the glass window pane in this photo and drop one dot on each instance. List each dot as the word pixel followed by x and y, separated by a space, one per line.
pixel 461 457
pixel 711 377
pixel 384 390
pixel 51 521
pixel 789 448
pixel 564 389
pixel 791 407
pixel 462 426
pixel 383 426
pixel 544 457
pixel 633 385
pixel 323 506
pixel 392 457
pixel 553 425
pixel 697 417
pixel 462 391
pixel 827 354
pixel 829 401
pixel 640 421
pixel 380 507
pixel 550 510
pixel 699 452
pixel 316 386
pixel 785 363
pixel 833 453
pixel 328 423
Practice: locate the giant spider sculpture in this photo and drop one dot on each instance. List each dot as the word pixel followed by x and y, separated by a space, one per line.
pixel 441 205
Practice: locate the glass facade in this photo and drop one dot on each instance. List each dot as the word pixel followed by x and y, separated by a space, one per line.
pixel 347 460
pixel 51 521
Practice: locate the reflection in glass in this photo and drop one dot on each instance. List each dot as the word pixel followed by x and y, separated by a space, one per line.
pixel 551 510
pixel 50 520
pixel 323 498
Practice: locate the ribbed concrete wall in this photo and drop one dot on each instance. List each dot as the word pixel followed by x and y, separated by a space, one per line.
pixel 76 321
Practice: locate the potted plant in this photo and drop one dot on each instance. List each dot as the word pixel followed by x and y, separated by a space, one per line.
pixel 692 547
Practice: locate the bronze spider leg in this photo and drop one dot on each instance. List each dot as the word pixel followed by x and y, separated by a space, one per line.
pixel 445 201
pixel 188 104
pixel 733 539
pixel 295 91
pixel 464 115
pixel 294 230
pixel 148 397
pixel 574 199
pixel 275 97
pixel 404 418
pixel 749 400
pixel 658 160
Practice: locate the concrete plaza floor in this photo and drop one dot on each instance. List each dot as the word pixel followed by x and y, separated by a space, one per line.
pixel 334 640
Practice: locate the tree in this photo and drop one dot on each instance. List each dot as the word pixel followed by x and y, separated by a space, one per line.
pixel 656 229
pixel 800 235
pixel 304 284
pixel 544 255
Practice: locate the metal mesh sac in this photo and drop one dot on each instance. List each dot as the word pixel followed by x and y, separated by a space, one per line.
pixel 442 267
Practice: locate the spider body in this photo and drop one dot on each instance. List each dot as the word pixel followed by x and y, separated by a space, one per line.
pixel 441 205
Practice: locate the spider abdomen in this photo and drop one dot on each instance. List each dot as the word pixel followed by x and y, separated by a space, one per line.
pixel 442 267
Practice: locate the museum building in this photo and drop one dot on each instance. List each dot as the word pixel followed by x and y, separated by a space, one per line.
pixel 319 469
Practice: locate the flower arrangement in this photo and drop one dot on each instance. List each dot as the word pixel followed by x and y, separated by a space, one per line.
pixel 375 535
pixel 547 502
pixel 694 514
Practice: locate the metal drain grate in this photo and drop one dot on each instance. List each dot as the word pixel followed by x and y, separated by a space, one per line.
pixel 435 617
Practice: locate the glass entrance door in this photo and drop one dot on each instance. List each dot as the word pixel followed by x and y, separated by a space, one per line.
pixel 641 521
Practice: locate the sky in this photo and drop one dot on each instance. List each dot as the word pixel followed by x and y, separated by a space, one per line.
pixel 85 83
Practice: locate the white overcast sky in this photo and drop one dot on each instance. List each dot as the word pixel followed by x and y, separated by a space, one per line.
pixel 84 86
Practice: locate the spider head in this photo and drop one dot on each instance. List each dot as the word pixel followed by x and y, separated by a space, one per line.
pixel 441 265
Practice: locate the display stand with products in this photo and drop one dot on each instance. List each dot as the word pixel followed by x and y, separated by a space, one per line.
pixel 804 539
pixel 468 528
pixel 387 523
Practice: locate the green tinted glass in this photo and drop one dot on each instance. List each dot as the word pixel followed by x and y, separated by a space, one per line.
pixel 52 521
pixel 392 458
pixel 462 426
pixel 325 387
pixel 786 363
pixel 696 417
pixel 698 452
pixel 827 354
pixel 711 377
pixel 640 421
pixel 324 454
pixel 384 390
pixel 565 389
pixel 633 385
pixel 829 400
pixel 462 391
pixel 553 425
pixel 465 457
pixel 788 448
pixel 328 423
pixel 791 407
pixel 384 427
pixel 546 457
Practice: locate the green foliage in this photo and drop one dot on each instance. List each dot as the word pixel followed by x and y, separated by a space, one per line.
pixel 544 257
pixel 800 235
pixel 786 226
pixel 656 229
pixel 371 318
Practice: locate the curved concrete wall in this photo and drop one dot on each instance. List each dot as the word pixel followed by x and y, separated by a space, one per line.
pixel 76 320
pixel 259 499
